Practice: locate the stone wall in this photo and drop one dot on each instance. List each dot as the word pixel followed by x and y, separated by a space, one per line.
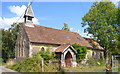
pixel 22 45
pixel 36 47
pixel 96 53
pixel 90 54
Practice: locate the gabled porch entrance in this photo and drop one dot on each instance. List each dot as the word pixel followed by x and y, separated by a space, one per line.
pixel 67 55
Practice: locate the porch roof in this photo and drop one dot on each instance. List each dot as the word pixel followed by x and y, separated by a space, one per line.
pixel 62 48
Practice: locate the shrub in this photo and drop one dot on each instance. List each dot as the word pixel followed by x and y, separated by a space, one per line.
pixel 81 51
pixel 91 61
pixel 2 61
pixel 46 56
pixel 102 61
pixel 33 64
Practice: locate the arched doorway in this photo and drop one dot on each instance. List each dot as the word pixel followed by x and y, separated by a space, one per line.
pixel 68 58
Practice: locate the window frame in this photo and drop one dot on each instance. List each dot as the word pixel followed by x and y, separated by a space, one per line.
pixel 93 54
pixel 43 49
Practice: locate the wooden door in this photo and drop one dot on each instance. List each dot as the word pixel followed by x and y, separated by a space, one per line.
pixel 68 58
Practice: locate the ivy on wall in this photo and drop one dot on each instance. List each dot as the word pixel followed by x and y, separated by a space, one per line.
pixel 81 51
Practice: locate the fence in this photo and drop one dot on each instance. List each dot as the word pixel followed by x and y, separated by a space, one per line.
pixel 87 66
pixel 52 66
pixel 116 63
pixel 91 65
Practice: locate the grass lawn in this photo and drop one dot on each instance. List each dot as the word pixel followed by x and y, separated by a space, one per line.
pixel 2 64
pixel 117 69
pixel 86 69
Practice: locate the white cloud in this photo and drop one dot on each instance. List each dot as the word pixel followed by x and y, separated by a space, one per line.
pixel 77 30
pixel 89 36
pixel 6 22
pixel 86 35
pixel 71 29
pixel 17 9
pixel 35 21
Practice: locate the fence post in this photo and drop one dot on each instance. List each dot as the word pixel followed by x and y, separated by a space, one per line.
pixel 112 63
pixel 42 66
pixel 49 62
pixel 115 63
pixel 61 64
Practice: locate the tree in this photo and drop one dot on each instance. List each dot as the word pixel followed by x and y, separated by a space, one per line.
pixel 9 38
pixel 45 55
pixel 66 27
pixel 116 50
pixel 119 27
pixel 81 51
pixel 102 20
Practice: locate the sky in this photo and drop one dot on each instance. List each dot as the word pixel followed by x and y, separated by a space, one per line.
pixel 49 14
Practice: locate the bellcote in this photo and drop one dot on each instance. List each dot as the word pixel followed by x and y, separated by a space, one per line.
pixel 28 16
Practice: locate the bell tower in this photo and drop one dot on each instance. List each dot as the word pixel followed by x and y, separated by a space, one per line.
pixel 28 16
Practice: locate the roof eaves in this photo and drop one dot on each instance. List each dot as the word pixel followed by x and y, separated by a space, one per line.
pixel 46 43
pixel 66 48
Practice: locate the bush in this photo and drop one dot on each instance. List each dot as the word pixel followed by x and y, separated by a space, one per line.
pixel 102 61
pixel 91 61
pixel 46 56
pixel 28 65
pixel 81 51
pixel 2 61
pixel 33 64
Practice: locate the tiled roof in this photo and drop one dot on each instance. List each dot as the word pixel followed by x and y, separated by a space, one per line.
pixel 94 44
pixel 63 47
pixel 41 34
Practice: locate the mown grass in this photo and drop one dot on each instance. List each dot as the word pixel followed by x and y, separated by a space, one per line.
pixel 116 69
pixel 2 64
pixel 86 69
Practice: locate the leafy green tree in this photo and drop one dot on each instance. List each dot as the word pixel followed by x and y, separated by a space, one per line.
pixel 9 38
pixel 102 20
pixel 116 50
pixel 45 55
pixel 81 51
pixel 66 27
pixel 119 27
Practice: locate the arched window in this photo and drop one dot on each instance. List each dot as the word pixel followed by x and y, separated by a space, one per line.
pixel 92 54
pixel 43 49
pixel 19 49
pixel 100 55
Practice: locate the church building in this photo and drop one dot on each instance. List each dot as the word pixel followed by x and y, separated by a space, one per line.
pixel 33 38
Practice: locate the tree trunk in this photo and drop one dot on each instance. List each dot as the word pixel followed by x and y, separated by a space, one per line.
pixel 106 55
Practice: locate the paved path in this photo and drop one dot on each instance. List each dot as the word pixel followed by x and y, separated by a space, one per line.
pixel 4 70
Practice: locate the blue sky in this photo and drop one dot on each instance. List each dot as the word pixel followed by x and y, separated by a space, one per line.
pixel 49 14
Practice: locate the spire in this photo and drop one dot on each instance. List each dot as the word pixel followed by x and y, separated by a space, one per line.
pixel 28 14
